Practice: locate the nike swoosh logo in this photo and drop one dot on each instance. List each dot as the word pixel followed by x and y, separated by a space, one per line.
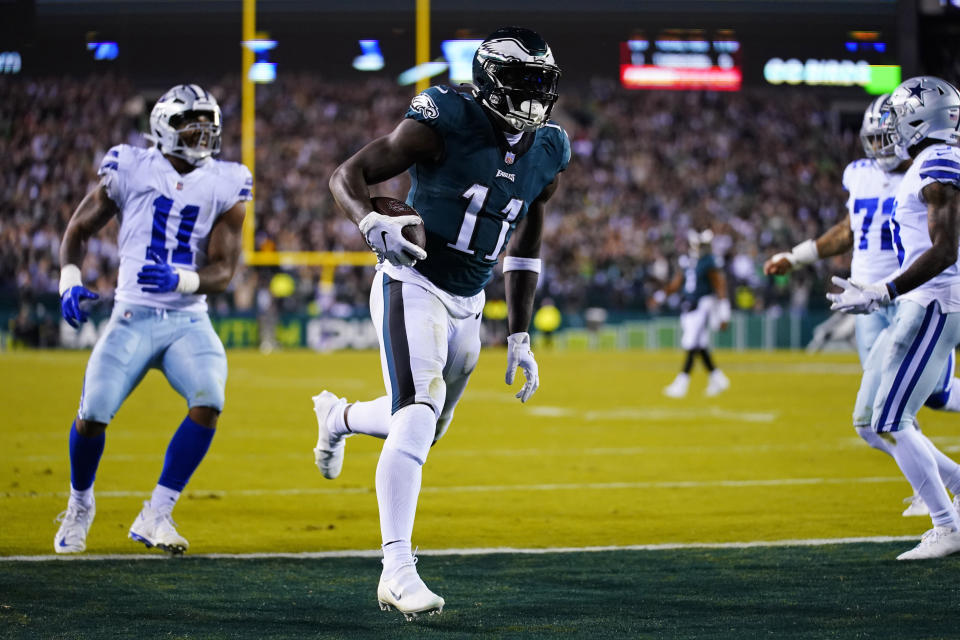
pixel 383 236
pixel 396 595
pixel 63 542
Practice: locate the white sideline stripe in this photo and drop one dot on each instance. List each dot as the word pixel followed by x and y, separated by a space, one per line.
pixel 481 551
pixel 596 486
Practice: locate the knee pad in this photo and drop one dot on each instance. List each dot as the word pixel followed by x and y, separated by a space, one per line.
pixel 412 429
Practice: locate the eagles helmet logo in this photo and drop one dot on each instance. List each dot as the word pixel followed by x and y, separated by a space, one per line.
pixel 425 106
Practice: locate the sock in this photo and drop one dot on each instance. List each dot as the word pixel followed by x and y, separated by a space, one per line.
pixel 948 469
pixel 184 453
pixel 688 363
pixel 920 468
pixel 873 439
pixel 399 473
pixel 707 361
pixel 84 497
pixel 370 418
pixel 395 555
pixel 164 499
pixel 84 458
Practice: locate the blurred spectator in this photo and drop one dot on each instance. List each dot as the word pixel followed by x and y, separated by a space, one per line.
pixel 762 169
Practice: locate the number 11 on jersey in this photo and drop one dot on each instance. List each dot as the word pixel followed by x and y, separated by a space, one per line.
pixel 477 197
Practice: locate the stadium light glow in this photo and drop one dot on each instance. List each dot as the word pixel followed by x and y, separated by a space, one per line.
pixel 262 70
pixel 10 62
pixel 459 55
pixel 421 71
pixel 104 50
pixel 371 59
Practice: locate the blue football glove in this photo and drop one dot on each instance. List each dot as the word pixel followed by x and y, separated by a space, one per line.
pixel 70 305
pixel 159 278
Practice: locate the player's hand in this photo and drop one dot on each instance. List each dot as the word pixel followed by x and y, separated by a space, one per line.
pixel 159 277
pixel 70 305
pixel 384 234
pixel 858 298
pixel 519 355
pixel 778 265
pixel 720 319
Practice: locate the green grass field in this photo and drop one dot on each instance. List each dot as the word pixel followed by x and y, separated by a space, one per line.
pixel 599 457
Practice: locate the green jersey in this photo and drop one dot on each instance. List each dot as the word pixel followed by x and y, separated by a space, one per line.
pixel 473 197
pixel 696 282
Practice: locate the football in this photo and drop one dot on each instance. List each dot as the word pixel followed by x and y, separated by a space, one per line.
pixel 392 207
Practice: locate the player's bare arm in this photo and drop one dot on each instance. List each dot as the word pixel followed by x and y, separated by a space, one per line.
pixel 674 285
pixel 943 222
pixel 718 282
pixel 835 241
pixel 521 285
pixel 521 270
pixel 223 251
pixel 410 142
pixel 92 214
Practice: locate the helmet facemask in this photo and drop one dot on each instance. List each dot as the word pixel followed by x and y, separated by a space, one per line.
pixel 185 123
pixel 522 94
pixel 197 139
pixel 875 136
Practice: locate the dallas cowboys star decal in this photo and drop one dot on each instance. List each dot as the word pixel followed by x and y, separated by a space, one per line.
pixel 917 90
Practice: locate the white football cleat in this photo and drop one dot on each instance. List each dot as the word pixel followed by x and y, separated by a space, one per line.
pixel 406 592
pixel 328 453
pixel 915 507
pixel 678 388
pixel 75 523
pixel 155 529
pixel 935 543
pixel 717 384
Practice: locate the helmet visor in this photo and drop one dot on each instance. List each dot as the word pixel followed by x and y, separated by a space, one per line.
pixel 531 82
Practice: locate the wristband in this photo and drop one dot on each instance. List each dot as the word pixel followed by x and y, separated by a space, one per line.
pixel 892 290
pixel 69 278
pixel 805 253
pixel 515 263
pixel 188 282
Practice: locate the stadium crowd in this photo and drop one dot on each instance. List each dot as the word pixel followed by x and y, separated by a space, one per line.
pixel 762 169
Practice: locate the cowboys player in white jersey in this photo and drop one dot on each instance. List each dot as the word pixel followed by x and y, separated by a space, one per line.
pixel 872 186
pixel 908 360
pixel 180 213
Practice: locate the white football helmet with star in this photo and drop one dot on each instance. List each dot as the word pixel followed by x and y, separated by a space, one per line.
pixel 923 108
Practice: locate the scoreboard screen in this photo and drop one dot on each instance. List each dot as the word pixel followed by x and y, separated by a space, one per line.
pixel 679 60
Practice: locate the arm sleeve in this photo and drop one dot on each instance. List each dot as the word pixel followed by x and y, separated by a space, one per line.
pixel 244 190
pixel 942 166
pixel 112 172
pixel 564 151
pixel 437 107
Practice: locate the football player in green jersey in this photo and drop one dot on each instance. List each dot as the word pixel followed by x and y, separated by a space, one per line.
pixel 704 307
pixel 483 163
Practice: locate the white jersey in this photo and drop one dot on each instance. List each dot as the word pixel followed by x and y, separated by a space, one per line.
pixel 937 163
pixel 870 205
pixel 167 213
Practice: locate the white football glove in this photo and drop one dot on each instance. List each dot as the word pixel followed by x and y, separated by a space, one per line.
pixel 800 256
pixel 384 234
pixel 720 315
pixel 858 298
pixel 519 355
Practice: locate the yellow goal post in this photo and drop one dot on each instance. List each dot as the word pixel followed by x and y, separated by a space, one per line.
pixel 328 261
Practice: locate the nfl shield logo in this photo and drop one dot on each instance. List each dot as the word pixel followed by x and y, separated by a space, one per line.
pixel 509 157
pixel 179 186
